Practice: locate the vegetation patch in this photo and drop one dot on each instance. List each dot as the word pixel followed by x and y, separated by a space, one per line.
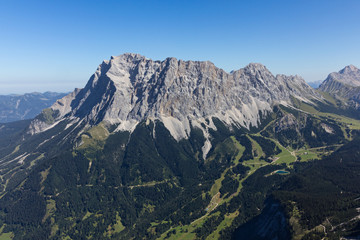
pixel 48 115
pixel 50 209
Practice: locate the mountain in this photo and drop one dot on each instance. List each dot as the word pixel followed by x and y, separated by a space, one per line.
pixel 27 106
pixel 165 149
pixel 348 76
pixel 131 88
pixel 344 85
pixel 315 84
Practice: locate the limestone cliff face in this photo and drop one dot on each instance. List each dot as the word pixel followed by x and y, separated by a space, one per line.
pixel 350 76
pixel 344 84
pixel 130 88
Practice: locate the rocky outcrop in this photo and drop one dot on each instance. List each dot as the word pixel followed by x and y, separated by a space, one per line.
pixel 286 122
pixel 350 76
pixel 344 85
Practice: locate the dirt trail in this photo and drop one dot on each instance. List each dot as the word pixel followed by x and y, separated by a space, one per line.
pixel 213 202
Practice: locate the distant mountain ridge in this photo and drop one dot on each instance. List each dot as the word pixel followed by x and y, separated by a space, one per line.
pixel 315 84
pixel 350 76
pixel 25 106
pixel 344 85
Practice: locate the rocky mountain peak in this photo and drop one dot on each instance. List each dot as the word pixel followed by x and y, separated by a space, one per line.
pixel 349 69
pixel 350 76
pixel 130 88
pixel 256 66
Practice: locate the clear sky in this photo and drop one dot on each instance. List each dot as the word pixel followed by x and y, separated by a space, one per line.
pixel 57 45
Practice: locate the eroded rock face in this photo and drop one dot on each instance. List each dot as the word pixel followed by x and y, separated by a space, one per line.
pixel 287 122
pixel 344 84
pixel 130 88
pixel 350 75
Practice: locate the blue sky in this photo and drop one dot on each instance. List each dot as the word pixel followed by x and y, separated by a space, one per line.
pixel 57 45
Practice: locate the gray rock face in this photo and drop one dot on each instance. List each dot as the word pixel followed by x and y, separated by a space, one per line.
pixel 130 88
pixel 344 84
pixel 350 76
pixel 286 122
